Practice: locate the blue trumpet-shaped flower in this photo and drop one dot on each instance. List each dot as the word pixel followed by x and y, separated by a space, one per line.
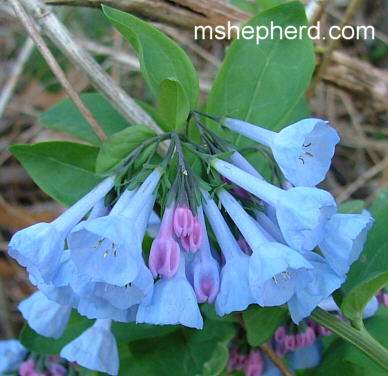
pixel 39 247
pixel 45 316
pixel 344 239
pixel 173 302
pixel 324 281
pixel 275 270
pixel 205 269
pixel 302 212
pixel 108 248
pixel 306 357
pixel 235 293
pixel 303 150
pixel 12 353
pixel 96 349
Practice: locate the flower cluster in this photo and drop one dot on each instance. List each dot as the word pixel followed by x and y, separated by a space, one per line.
pixel 228 237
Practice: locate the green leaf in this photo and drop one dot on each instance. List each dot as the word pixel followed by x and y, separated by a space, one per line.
pixel 262 83
pixel 65 116
pixel 351 207
pixel 64 170
pixel 186 352
pixel 173 103
pixel 49 346
pixel 120 145
pixel 160 57
pixel 261 323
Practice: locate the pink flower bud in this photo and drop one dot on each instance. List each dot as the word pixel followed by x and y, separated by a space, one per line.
pixel 183 221
pixel 290 342
pixel 193 241
pixel 241 361
pixel 27 368
pixel 300 340
pixel 310 333
pixel 280 334
pixel 255 364
pixel 324 332
pixel 165 251
pixel 237 190
pixel 280 349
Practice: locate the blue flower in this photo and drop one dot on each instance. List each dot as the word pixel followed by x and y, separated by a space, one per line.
pixel 39 247
pixel 235 293
pixel 344 239
pixel 46 317
pixel 306 357
pixel 12 353
pixel 324 281
pixel 301 212
pixel 275 270
pixel 270 369
pixel 96 349
pixel 204 268
pixel 173 302
pixel 108 249
pixel 303 150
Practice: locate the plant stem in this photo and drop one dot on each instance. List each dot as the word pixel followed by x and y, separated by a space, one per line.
pixel 358 338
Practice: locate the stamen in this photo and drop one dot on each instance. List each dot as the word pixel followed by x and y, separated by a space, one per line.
pixel 114 249
pixel 286 275
pixel 307 145
pixel 275 279
pixel 301 159
pixel 106 253
pixel 99 243
pixel 309 154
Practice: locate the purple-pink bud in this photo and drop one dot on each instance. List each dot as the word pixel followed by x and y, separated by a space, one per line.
pixel 183 221
pixel 280 334
pixel 290 342
pixel 27 368
pixel 165 251
pixel 193 241
pixel 324 332
pixel 237 190
pixel 280 349
pixel 57 370
pixel 255 364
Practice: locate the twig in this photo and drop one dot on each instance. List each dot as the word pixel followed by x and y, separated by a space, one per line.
pixel 361 180
pixel 62 38
pixel 315 10
pixel 17 69
pixel 55 67
pixel 351 9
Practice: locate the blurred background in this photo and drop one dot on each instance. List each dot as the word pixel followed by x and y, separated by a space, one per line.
pixel 351 92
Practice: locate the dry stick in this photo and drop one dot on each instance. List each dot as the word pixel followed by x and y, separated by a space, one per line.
pixel 16 70
pixel 351 9
pixel 315 10
pixel 62 38
pixel 360 181
pixel 55 67
pixel 267 350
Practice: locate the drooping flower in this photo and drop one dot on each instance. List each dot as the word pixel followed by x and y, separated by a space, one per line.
pixel 165 251
pixel 235 293
pixel 302 212
pixel 204 268
pixel 96 349
pixel 12 354
pixel 344 239
pixel 108 248
pixel 275 271
pixel 173 302
pixel 40 246
pixel 45 316
pixel 303 150
pixel 324 281
pixel 183 221
pixel 306 357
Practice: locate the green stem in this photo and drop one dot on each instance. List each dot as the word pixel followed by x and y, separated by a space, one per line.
pixel 359 338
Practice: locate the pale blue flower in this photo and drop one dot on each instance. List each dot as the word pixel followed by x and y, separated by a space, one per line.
pixel 96 349
pixel 235 293
pixel 108 249
pixel 302 212
pixel 303 150
pixel 269 368
pixel 275 270
pixel 45 316
pixel 324 281
pixel 344 239
pixel 306 357
pixel 173 302
pixel 39 247
pixel 12 354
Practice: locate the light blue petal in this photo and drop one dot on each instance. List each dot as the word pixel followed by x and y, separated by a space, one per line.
pixel 12 353
pixel 306 357
pixel 46 317
pixel 96 349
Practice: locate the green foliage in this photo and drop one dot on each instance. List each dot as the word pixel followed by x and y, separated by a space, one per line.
pixel 64 170
pixel 160 59
pixel 65 116
pixel 370 273
pixel 351 207
pixel 49 346
pixel 261 323
pixel 262 83
pixel 120 145
pixel 185 351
